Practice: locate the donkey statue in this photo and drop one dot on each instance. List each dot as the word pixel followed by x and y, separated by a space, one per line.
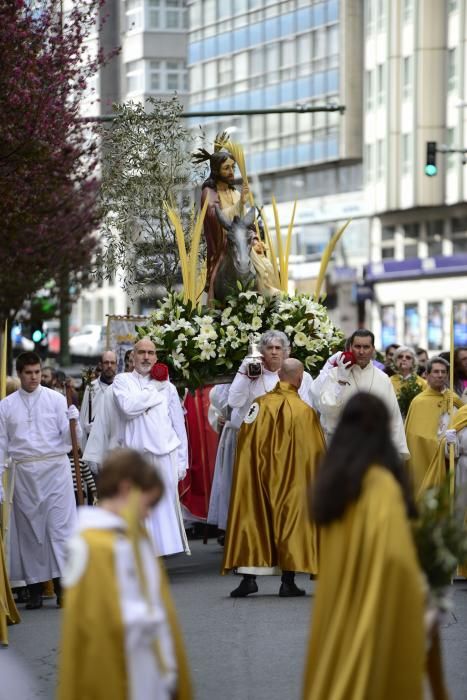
pixel 236 264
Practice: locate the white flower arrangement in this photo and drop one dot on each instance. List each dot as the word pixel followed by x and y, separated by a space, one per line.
pixel 202 344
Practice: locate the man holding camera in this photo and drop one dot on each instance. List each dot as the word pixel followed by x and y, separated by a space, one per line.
pixel 256 376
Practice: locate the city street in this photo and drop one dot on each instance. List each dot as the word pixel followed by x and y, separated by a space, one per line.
pixel 238 650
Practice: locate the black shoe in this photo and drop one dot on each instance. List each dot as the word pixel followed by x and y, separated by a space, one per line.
pixel 247 586
pixel 35 596
pixel 290 590
pixel 58 591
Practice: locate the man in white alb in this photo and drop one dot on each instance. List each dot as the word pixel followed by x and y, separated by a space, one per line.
pixel 94 394
pixel 106 431
pixel 343 381
pixel 35 434
pixel 274 346
pixel 153 423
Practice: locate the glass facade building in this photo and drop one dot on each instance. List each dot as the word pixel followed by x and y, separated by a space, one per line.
pixel 250 54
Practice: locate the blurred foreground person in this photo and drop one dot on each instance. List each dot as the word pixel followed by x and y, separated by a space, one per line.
pixel 279 447
pixel 367 637
pixel 120 635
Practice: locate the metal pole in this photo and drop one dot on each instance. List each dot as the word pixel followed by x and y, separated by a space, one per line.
pixel 297 109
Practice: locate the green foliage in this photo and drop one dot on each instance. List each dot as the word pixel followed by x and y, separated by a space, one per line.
pixel 202 343
pixel 409 390
pixel 146 164
pixel 440 537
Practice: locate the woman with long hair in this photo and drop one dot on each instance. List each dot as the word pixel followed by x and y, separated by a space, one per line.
pixel 367 637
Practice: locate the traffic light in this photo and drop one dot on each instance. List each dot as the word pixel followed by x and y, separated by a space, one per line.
pixel 37 331
pixel 431 168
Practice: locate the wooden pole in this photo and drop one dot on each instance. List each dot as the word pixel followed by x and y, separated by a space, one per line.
pixel 75 449
pixel 452 478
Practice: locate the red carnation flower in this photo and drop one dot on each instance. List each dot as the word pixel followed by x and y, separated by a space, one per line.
pixel 160 372
pixel 347 356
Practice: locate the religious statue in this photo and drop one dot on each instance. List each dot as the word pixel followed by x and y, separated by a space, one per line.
pixel 220 190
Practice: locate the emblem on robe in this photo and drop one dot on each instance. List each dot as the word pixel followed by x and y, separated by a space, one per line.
pixel 252 413
pixel 76 561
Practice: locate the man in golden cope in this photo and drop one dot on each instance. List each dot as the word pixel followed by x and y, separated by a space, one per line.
pixel 427 421
pixel 279 447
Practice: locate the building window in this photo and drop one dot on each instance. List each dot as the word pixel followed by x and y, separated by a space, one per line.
pixel 380 85
pixel 209 11
pixel 369 154
pixel 380 164
pixel 435 325
pixel 459 235
pixel 167 14
pixel 406 154
pixel 407 77
pixel 304 54
pixel 452 5
pixel 111 306
pixel 452 69
pixel 451 159
pixel 460 322
pixel 134 76
pixel 168 76
pixel 370 15
pixel 411 324
pixel 176 76
pixel 407 10
pixel 411 238
pixel 381 16
pixel 388 249
pixel 434 237
pixel 133 14
pixel 369 89
pixel 388 325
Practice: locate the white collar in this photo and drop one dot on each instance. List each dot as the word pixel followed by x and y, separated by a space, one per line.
pixel 96 518
pixel 28 395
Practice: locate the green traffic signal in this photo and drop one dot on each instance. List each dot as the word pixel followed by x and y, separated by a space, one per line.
pixel 431 170
pixel 37 336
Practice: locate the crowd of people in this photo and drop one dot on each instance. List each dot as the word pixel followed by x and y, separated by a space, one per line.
pixel 319 475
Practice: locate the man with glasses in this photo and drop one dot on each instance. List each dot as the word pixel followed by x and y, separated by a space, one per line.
pixel 94 395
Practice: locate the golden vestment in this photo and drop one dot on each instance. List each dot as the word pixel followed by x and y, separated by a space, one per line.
pixel 279 446
pixel 398 382
pixel 367 635
pixel 92 663
pixel 8 611
pixel 421 429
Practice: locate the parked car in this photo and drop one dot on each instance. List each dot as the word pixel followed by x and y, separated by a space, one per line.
pixel 19 342
pixel 89 342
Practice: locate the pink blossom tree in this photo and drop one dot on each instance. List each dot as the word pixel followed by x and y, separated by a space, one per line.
pixel 48 156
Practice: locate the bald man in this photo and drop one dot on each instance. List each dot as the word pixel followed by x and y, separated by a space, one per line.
pixel 152 422
pixel 280 444
pixel 94 396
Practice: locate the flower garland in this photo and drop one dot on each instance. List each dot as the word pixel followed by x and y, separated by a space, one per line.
pixel 200 344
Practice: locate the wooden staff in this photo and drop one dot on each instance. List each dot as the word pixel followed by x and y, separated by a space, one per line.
pixel 452 478
pixel 74 445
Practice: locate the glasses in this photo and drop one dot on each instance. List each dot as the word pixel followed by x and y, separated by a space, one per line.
pixel 405 357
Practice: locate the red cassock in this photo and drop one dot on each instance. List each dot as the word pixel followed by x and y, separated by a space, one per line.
pixel 195 489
